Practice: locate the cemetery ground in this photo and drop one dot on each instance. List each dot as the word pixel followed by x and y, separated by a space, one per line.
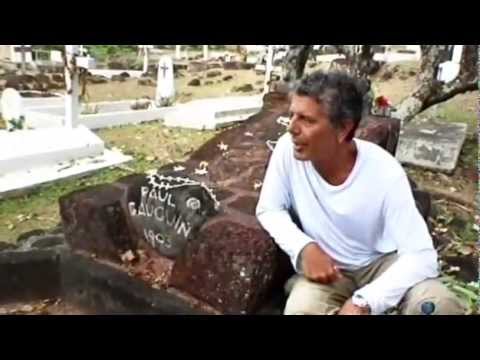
pixel 153 145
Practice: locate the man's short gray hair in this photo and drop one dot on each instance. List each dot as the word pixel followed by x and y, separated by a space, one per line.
pixel 340 94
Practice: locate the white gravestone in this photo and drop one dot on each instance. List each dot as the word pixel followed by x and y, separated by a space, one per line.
pixel 165 82
pixel 205 52
pixel 11 106
pixel 56 56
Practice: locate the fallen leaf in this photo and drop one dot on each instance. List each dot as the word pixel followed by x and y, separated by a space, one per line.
pixel 222 146
pixel 150 158
pixel 248 134
pixel 11 227
pixel 454 269
pixel 142 254
pixel 452 189
pixel 178 168
pixel 128 256
pixel 201 171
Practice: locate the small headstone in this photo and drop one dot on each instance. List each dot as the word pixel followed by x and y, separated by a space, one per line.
pixel 197 66
pixel 194 82
pixel 97 79
pixel 432 145
pixel 214 65
pixel 165 82
pixel 119 78
pixel 212 74
pixel 146 82
pixel 11 106
pixel 243 88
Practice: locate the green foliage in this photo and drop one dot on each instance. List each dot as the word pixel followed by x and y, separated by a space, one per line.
pixel 102 52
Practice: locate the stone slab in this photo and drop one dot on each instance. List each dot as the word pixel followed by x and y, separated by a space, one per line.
pixel 432 145
pixel 21 182
pixel 210 114
pixel 109 114
pixel 27 149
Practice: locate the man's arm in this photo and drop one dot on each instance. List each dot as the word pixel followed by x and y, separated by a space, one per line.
pixel 417 259
pixel 272 208
pixel 272 211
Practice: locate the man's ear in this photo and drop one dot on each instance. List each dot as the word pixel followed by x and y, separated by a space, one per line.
pixel 345 133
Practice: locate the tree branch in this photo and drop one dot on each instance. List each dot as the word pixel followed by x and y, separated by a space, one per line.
pixel 449 92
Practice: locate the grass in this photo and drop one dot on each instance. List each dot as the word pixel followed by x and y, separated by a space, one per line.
pixel 152 145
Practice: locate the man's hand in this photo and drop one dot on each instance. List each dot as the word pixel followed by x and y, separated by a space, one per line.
pixel 350 309
pixel 318 266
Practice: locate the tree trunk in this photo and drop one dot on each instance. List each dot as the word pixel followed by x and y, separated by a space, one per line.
pixel 359 61
pixel 429 91
pixel 295 62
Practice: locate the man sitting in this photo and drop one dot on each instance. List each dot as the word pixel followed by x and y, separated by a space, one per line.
pixel 343 210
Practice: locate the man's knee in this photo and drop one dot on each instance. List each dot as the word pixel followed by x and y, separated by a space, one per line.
pixel 303 306
pixel 431 297
pixel 308 298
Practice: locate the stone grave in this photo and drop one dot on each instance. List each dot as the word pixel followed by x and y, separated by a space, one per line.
pixel 432 145
pixel 107 114
pixel 32 157
pixel 14 104
pixel 109 73
pixel 209 114
pixel 190 230
pixel 197 114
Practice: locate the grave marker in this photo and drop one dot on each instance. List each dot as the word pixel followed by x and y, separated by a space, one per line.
pixel 11 106
pixel 432 145
pixel 165 82
pixel 168 211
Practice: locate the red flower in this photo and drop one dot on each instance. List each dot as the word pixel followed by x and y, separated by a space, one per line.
pixel 382 102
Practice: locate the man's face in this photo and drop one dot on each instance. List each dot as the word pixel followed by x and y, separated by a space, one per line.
pixel 313 135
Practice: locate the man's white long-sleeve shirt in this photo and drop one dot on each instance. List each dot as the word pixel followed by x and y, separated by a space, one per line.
pixel 372 213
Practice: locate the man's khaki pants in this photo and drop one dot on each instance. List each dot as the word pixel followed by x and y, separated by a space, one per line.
pixel 309 298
